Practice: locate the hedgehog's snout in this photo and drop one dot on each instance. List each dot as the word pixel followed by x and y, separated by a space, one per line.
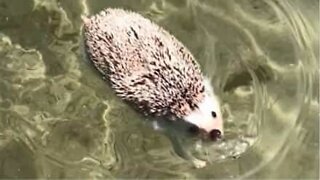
pixel 215 134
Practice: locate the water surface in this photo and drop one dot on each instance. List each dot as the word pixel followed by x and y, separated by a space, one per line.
pixel 59 119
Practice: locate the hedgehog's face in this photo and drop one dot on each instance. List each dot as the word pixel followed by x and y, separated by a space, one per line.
pixel 207 117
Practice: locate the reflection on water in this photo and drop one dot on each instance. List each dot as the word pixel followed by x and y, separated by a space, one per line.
pixel 60 120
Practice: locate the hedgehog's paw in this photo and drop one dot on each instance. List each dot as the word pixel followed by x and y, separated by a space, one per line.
pixel 199 163
pixel 156 126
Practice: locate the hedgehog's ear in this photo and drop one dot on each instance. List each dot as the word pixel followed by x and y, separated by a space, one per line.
pixel 85 19
pixel 208 86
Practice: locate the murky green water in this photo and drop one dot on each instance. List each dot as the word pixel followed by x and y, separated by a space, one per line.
pixel 59 119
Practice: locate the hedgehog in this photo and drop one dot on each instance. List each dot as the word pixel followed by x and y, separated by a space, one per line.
pixel 150 69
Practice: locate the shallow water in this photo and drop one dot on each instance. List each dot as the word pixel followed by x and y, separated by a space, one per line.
pixel 59 119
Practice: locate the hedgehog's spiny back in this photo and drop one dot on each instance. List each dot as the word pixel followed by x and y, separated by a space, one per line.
pixel 145 65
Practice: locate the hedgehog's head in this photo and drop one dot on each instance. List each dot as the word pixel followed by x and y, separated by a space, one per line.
pixel 207 118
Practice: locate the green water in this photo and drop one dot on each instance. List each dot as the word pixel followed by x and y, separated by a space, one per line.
pixel 59 119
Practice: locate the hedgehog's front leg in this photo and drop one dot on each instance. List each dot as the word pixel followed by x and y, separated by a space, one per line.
pixel 185 154
pixel 169 128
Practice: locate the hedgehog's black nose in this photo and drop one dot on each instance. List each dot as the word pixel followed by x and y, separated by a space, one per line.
pixel 215 134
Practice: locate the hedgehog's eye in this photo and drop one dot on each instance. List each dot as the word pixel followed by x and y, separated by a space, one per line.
pixel 214 114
